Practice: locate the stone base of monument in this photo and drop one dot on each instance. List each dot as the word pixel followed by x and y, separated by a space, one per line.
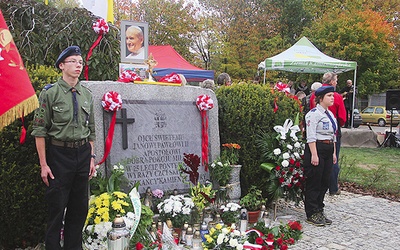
pixel 234 190
pixel 359 138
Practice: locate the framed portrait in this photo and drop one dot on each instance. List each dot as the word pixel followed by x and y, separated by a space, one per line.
pixel 134 41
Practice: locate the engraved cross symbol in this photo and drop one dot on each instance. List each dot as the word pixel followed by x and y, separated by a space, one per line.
pixel 124 120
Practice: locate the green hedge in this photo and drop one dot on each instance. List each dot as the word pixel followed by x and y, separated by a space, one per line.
pixel 23 208
pixel 244 111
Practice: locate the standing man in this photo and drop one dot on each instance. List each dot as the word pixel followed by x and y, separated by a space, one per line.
pixel 347 93
pixel 64 131
pixel 339 111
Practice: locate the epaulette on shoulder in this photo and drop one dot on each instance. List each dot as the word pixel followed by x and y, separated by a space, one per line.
pixel 83 86
pixel 313 110
pixel 48 86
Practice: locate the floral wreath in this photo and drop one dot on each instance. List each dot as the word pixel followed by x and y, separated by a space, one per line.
pixel 111 102
pixel 101 28
pixel 204 103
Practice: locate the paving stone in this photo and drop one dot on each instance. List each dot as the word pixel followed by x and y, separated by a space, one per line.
pixel 359 222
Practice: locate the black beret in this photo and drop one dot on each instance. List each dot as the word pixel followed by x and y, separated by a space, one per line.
pixel 70 51
pixel 323 90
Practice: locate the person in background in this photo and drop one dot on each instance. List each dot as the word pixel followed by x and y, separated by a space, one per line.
pixel 300 95
pixel 305 102
pixel 303 87
pixel 291 86
pixel 339 111
pixel 134 42
pixel 224 79
pixel 319 155
pixel 64 132
pixel 207 84
pixel 347 94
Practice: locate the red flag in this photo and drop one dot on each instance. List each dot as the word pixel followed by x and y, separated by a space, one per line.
pixel 16 91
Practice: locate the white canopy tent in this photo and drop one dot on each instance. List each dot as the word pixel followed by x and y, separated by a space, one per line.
pixel 304 57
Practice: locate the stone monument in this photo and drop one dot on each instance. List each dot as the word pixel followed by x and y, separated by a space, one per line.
pixel 155 127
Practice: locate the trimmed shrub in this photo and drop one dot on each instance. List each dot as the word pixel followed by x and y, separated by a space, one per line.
pixel 244 111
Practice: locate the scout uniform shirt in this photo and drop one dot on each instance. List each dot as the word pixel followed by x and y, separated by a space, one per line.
pixel 55 116
pixel 319 126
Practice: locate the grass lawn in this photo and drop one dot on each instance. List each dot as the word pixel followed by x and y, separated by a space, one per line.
pixel 377 169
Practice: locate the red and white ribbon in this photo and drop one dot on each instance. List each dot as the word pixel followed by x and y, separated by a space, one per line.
pixel 128 76
pixel 101 28
pixel 171 78
pixel 281 87
pixel 204 103
pixel 111 102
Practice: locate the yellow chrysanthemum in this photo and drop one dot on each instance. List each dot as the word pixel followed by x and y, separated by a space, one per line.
pixel 102 211
pixel 212 231
pixel 116 205
pixel 218 226
pixel 120 195
pixel 106 217
pixel 97 220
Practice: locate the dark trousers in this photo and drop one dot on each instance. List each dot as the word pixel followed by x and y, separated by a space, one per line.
pixel 333 183
pixel 68 193
pixel 317 177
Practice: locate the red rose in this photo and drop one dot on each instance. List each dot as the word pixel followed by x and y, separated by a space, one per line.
pixel 139 246
pixel 283 172
pixel 291 169
pixel 259 241
pixel 270 236
pixel 281 180
pixel 295 225
pixel 284 247
pixel 279 241
pixel 289 185
pixel 291 161
pixel 291 241
pixel 264 248
pixel 277 168
pixel 298 164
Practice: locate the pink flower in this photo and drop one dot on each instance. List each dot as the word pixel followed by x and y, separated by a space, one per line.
pixel 158 193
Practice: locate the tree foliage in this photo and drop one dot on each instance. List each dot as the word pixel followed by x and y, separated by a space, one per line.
pixel 41 32
pixel 361 36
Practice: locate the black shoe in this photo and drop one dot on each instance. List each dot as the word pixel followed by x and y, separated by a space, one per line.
pixel 327 221
pixel 336 193
pixel 317 220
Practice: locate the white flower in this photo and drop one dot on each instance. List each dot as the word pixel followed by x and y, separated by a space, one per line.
pixel 286 156
pixel 297 155
pixel 239 247
pixel 297 144
pixel 121 167
pixel 220 163
pixel 115 167
pixel 285 163
pixel 289 146
pixel 233 242
pixel 277 151
pixel 225 230
pixel 236 232
pixel 220 239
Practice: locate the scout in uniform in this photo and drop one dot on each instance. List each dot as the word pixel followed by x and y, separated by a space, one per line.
pixel 64 132
pixel 319 155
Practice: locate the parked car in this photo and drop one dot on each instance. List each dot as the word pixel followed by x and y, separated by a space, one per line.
pixel 379 115
pixel 357 119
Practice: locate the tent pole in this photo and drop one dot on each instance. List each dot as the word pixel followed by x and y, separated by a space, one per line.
pixel 354 97
pixel 265 70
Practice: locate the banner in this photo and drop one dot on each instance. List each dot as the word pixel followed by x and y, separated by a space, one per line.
pixel 16 91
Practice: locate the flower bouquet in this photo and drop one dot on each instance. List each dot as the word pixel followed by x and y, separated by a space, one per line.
pixel 230 212
pixel 223 237
pixel 284 152
pixel 177 208
pixel 230 153
pixel 102 211
pixel 278 237
pixel 220 172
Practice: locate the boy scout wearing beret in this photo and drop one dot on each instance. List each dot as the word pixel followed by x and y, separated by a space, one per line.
pixel 64 132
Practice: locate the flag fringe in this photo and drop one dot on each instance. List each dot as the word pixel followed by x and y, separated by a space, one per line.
pixel 25 107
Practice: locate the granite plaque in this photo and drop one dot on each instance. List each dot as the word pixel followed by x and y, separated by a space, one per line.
pixel 153 135
pixel 156 126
